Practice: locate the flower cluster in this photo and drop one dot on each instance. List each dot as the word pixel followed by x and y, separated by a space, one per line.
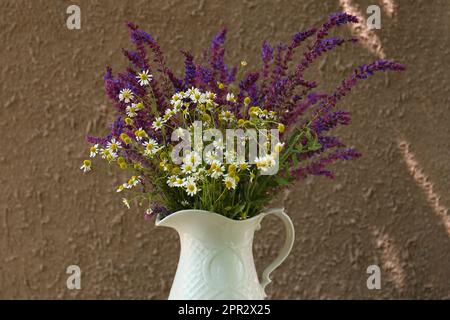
pixel 156 109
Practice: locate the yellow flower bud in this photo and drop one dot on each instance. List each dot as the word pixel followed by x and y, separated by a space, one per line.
pixel 220 85
pixel 120 160
pixel 87 163
pixel 206 117
pixel 247 101
pixel 241 122
pixel 176 170
pixel 253 111
pixel 129 121
pixel 123 136
pixel 123 165
pixel 231 168
pixel 281 127
pixel 137 166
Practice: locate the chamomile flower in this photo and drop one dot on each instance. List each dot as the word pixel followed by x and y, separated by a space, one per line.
pixel 188 168
pixel 126 203
pixel 168 114
pixel 177 99
pixel 177 107
pixel 144 78
pixel 265 163
pixel 195 95
pixel 231 97
pixel 126 95
pixel 108 154
pixel 131 110
pixel 113 145
pixel 140 134
pixel 191 187
pixel 138 106
pixel 133 182
pixel 192 158
pixel 172 180
pixel 210 96
pixel 216 170
pixel 178 182
pixel 120 188
pixel 226 116
pixel 272 115
pixel 86 167
pixel 230 182
pixel 93 151
pixel 211 157
pixel 158 123
pixel 151 147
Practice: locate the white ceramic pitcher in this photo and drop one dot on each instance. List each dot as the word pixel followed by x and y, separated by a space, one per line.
pixel 216 259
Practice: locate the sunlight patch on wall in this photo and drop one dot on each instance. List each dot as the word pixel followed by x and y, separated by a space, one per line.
pixel 389 7
pixel 390 258
pixel 366 36
pixel 424 183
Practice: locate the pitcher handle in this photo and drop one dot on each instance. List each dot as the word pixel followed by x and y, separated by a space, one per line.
pixel 285 250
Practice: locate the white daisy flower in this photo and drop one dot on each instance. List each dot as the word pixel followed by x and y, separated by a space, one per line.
pixel 195 95
pixel 211 157
pixel 192 158
pixel 93 151
pixel 133 182
pixel 144 78
pixel 210 96
pixel 158 123
pixel 140 134
pixel 108 154
pixel 188 168
pixel 86 167
pixel 230 182
pixel 113 145
pixel 131 111
pixel 191 187
pixel 126 95
pixel 226 116
pixel 151 147
pixel 265 163
pixel 168 114
pixel 216 170
pixel 177 107
pixel 177 99
pixel 178 182
pixel 138 106
pixel 172 180
pixel 231 97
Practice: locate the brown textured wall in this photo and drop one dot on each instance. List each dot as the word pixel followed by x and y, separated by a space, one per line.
pixel 388 208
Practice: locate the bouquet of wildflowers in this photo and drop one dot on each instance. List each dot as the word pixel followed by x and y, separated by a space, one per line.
pixel 222 138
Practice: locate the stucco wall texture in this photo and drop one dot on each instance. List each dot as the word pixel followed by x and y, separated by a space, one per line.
pixel 389 208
